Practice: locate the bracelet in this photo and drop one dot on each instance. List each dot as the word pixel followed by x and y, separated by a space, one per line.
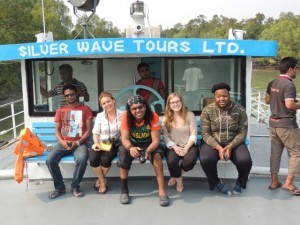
pixel 78 143
pixel 129 147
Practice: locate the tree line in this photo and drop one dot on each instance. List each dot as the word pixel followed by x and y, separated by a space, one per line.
pixel 21 20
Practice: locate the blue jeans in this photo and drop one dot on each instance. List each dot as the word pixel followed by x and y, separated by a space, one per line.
pixel 80 157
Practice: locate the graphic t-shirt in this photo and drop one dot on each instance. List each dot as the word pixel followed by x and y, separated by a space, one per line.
pixel 141 132
pixel 73 121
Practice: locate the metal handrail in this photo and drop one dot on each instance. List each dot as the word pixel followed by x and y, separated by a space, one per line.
pixel 261 110
pixel 13 117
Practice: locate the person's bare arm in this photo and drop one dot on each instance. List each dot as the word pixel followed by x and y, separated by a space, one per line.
pixel 44 92
pixel 292 104
pixel 125 134
pixel 162 93
pixel 84 94
pixel 59 136
pixel 155 136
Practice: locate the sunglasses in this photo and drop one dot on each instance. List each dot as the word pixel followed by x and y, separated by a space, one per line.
pixel 69 95
pixel 137 108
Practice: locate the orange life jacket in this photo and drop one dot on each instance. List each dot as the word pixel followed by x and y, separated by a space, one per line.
pixel 29 145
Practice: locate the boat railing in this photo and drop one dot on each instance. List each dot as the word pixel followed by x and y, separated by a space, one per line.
pixel 259 109
pixel 11 115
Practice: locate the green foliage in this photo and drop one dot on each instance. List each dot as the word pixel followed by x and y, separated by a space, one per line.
pixel 10 80
pixel 261 78
pixel 57 19
pixel 286 30
pixel 15 21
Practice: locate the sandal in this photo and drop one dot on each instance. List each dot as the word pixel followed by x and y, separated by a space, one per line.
pixel 77 193
pixel 102 191
pixel 96 186
pixel 179 184
pixel 56 194
pixel 172 182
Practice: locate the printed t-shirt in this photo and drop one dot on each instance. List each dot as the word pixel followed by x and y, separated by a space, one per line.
pixel 73 121
pixel 141 132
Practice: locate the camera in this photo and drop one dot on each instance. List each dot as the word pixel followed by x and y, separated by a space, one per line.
pixel 139 28
pixel 114 141
pixel 142 156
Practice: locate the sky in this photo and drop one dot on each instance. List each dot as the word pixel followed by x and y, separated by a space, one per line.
pixel 170 12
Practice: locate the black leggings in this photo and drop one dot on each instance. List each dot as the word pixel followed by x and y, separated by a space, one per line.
pixel 103 158
pixel 240 157
pixel 177 163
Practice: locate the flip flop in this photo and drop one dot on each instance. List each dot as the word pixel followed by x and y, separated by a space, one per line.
pixel 172 182
pixel 96 186
pixel 277 186
pixel 56 194
pixel 102 191
pixel 77 193
pixel 294 191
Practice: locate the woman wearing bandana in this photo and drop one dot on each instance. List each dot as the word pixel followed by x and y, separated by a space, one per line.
pixel 140 130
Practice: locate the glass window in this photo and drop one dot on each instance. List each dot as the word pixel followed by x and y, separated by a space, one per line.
pixel 191 77
pixel 48 77
pixel 194 78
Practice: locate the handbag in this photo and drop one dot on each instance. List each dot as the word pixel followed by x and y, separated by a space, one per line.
pixel 105 146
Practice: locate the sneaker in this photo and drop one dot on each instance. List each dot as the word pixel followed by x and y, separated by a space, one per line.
pixel 164 201
pixel 223 189
pixel 237 189
pixel 124 198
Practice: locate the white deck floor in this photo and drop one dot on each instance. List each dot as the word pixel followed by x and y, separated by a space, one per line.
pixel 195 205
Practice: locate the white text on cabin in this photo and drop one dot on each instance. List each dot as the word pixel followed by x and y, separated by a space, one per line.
pixel 135 46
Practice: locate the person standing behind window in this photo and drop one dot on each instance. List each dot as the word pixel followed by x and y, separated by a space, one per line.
pixel 180 136
pixel 146 80
pixel 284 131
pixel 66 74
pixel 106 129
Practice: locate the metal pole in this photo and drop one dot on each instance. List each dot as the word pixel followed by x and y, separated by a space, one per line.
pixel 13 119
pixel 44 24
pixel 258 107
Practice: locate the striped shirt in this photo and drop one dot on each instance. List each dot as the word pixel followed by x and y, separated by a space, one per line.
pixel 57 90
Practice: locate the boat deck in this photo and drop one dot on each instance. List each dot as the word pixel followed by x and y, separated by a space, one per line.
pixel 256 205
pixel 195 205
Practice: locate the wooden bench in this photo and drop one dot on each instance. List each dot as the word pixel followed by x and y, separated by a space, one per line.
pixel 37 168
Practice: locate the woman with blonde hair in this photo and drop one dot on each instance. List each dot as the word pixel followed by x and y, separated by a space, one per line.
pixel 106 130
pixel 180 136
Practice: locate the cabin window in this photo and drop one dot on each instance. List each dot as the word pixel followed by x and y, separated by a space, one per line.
pixel 45 83
pixel 193 78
